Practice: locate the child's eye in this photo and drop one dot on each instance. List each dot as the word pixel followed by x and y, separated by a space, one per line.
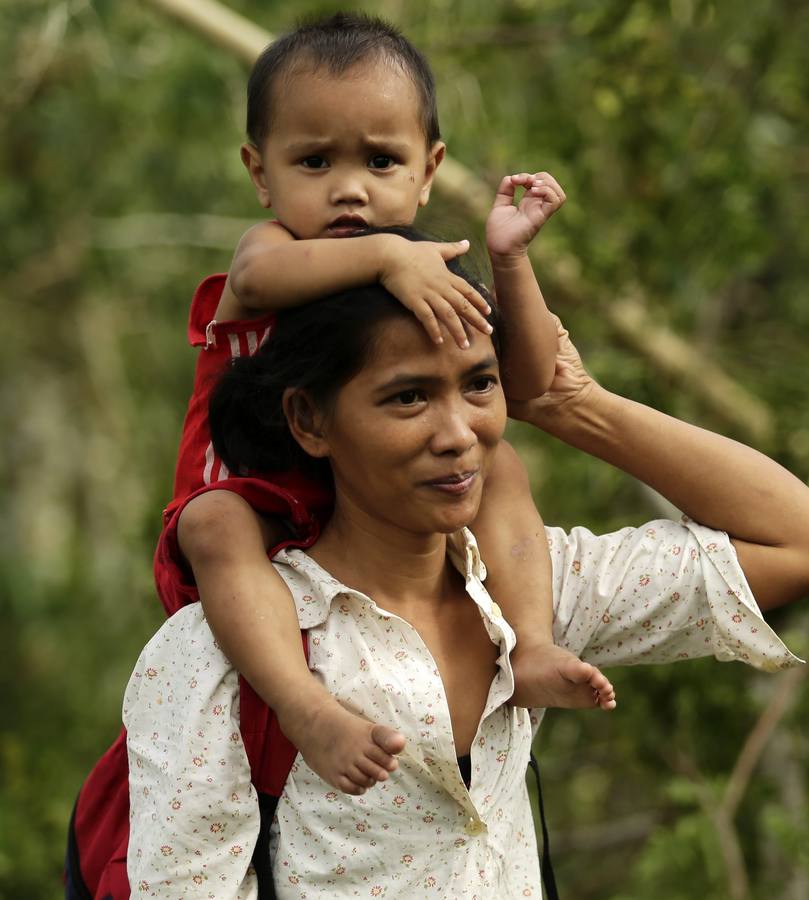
pixel 314 162
pixel 380 161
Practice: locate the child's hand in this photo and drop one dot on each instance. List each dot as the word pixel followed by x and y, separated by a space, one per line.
pixel 415 272
pixel 509 228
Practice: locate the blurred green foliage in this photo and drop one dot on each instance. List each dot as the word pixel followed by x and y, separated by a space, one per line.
pixel 679 131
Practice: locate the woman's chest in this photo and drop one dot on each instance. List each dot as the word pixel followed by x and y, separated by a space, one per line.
pixel 434 685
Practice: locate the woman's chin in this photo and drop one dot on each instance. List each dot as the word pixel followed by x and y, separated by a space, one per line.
pixel 459 516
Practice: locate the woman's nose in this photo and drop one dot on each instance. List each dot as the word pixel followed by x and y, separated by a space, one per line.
pixel 454 433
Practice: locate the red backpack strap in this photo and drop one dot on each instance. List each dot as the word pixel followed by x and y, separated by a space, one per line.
pixel 269 751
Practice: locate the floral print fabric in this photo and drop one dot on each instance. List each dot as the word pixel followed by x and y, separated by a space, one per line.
pixel 663 592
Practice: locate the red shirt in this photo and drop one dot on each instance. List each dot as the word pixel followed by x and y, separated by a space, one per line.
pixel 290 495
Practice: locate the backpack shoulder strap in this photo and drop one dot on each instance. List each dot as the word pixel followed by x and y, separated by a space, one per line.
pixel 548 879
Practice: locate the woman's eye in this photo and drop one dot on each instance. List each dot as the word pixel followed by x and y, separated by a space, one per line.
pixel 483 383
pixel 408 398
pixel 314 162
pixel 380 161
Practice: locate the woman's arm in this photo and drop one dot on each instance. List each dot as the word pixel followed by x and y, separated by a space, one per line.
pixel 714 480
pixel 194 817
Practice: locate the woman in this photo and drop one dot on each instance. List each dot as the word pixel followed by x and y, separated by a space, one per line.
pixel 400 626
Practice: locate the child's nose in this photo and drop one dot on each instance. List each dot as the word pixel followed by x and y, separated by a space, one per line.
pixel 349 187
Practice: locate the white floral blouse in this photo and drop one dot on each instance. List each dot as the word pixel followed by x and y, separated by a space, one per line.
pixel 659 593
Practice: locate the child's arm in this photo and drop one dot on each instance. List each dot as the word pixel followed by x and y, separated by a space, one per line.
pixel 508 526
pixel 272 270
pixel 529 337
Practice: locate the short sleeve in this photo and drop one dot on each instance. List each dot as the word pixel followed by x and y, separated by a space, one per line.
pixel 194 815
pixel 663 592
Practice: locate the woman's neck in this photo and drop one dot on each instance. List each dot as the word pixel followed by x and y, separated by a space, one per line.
pixel 393 566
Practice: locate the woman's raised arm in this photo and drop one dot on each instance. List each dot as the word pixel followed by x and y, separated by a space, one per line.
pixel 713 479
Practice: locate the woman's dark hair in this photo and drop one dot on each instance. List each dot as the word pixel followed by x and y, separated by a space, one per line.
pixel 335 44
pixel 318 347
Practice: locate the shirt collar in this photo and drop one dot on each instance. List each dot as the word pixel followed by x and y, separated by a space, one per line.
pixel 314 589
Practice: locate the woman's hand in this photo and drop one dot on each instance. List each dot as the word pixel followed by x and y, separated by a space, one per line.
pixel 712 479
pixel 571 386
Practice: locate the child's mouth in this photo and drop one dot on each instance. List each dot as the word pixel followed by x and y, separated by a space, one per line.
pixel 345 226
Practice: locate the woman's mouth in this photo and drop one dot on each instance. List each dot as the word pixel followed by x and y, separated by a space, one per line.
pixel 456 484
pixel 346 226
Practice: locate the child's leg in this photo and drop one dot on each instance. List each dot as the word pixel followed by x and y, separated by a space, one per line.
pixel 513 545
pixel 252 615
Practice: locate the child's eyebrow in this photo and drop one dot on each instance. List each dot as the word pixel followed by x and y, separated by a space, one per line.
pixel 389 144
pixel 310 144
pixel 315 144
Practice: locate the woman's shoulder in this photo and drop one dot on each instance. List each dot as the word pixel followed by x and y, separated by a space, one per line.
pixel 181 662
pixel 312 587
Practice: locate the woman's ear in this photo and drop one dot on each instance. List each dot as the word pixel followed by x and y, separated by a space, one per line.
pixel 305 422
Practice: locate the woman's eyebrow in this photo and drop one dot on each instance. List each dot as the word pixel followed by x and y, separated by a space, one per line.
pixel 412 380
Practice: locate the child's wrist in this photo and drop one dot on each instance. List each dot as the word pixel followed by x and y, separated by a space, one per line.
pixel 387 253
pixel 511 260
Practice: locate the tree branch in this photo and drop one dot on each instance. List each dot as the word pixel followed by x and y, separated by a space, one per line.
pixel 787 686
pixel 234 33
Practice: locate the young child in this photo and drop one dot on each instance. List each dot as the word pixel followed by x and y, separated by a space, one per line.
pixel 343 134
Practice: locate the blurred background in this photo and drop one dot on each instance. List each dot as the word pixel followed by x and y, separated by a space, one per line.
pixel 680 133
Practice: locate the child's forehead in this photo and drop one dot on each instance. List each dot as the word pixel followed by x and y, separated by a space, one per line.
pixel 317 104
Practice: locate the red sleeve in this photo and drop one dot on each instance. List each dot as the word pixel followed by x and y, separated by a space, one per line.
pixel 304 503
pixel 218 342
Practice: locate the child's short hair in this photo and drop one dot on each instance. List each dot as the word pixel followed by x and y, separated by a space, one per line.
pixel 336 44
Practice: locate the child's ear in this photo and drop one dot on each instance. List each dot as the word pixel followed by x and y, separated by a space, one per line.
pixel 255 167
pixel 305 422
pixel 434 159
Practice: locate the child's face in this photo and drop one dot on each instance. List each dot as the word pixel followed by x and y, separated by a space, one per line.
pixel 344 152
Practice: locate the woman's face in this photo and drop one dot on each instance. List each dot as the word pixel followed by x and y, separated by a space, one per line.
pixel 412 436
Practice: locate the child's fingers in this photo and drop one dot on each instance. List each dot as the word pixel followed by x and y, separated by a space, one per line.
pixel 449 318
pixel 424 313
pixel 544 192
pixel 548 179
pixel 505 192
pixel 476 299
pixel 464 307
pixel 453 309
pixel 453 249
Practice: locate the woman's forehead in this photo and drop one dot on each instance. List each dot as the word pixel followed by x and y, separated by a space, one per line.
pixel 401 349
